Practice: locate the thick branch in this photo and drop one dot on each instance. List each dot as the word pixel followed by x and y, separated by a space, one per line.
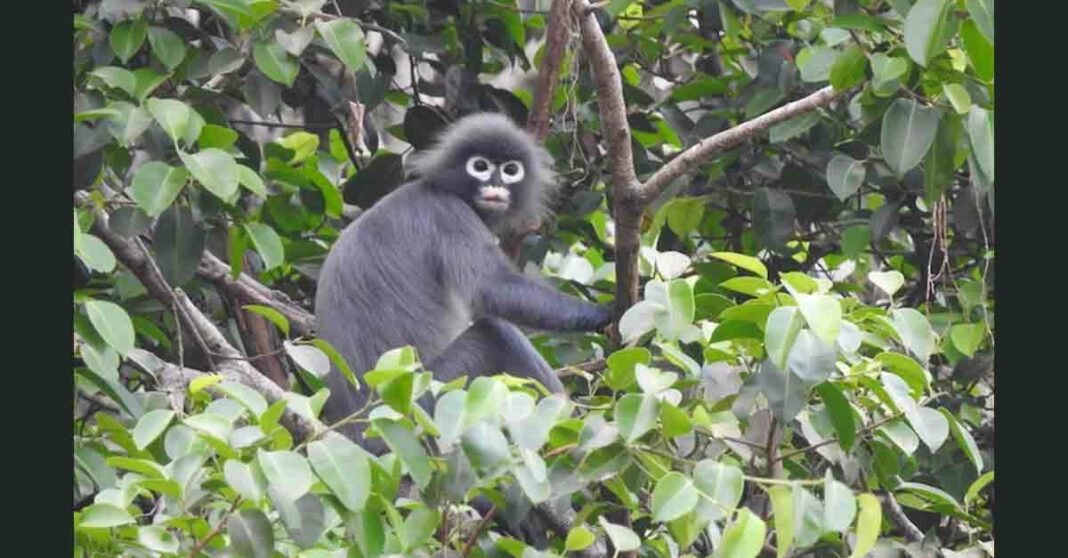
pixel 626 199
pixel 246 288
pixel 610 102
pixel 230 361
pixel 557 33
pixel 134 256
pixel 713 145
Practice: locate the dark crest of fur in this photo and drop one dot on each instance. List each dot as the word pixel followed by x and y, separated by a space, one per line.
pixel 495 136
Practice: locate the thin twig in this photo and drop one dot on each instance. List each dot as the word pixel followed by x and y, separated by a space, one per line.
pixel 478 529
pixel 214 530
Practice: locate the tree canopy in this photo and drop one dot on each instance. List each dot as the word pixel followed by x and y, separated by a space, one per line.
pixel 790 203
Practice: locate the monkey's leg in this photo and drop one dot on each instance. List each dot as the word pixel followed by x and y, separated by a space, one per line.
pixel 491 346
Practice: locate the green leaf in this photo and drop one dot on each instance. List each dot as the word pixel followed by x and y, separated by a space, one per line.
pixel 915 332
pixel 752 286
pixel 958 97
pixel 964 440
pixel 839 506
pixel 980 483
pixel 635 415
pixel 845 175
pixel 286 471
pixel 981 134
pixel 116 78
pixel 345 469
pixel 271 314
pixel 815 63
pixel 869 524
pixel 275 63
pixel 150 426
pixel 841 414
pixel 823 313
pixel 336 358
pixel 578 538
pixel 620 366
pixel 907 368
pixel 929 493
pixel 980 50
pixel 212 135
pixel 95 253
pixel 179 244
pixel 345 39
pixel 849 69
pixel 793 127
pixel 251 534
pixel 982 13
pixel 105 516
pixel 173 116
pixel 310 358
pixel 887 281
pixel 673 497
pixel 251 180
pixel 940 163
pixel 720 486
pixel 215 169
pixel 743 538
pixel 680 310
pixel 675 421
pixel 167 46
pixel 888 73
pixel 129 122
pixel 157 538
pixel 114 390
pixel 246 479
pixel 623 539
pixel 126 38
pixel 780 332
pixel 156 185
pixel 684 215
pixel 303 144
pixel 925 29
pixel 748 263
pixel 404 444
pixel 112 323
pixel 246 396
pixel 907 133
pixel 146 80
pixel 967 337
pixel 782 506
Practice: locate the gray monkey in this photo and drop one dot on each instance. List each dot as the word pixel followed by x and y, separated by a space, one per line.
pixel 422 267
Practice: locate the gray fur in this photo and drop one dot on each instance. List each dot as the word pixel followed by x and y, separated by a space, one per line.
pixel 422 263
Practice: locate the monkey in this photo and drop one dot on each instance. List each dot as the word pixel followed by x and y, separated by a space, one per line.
pixel 422 267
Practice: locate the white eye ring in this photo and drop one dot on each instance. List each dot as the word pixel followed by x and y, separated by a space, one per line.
pixel 482 174
pixel 512 172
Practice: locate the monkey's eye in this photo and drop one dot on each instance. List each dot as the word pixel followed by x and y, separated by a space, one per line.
pixel 512 172
pixel 480 168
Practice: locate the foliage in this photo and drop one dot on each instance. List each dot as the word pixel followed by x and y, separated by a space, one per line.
pixel 810 366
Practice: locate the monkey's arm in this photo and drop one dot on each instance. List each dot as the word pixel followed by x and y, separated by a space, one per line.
pixel 520 300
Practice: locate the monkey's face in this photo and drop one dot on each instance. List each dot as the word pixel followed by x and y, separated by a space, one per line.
pixel 493 182
pixel 493 166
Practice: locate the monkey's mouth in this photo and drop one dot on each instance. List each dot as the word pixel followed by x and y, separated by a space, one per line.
pixel 493 198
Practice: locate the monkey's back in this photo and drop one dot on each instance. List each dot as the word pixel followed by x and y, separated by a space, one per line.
pixel 380 286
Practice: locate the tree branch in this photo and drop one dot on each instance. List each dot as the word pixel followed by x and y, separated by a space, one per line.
pixel 626 190
pixel 233 364
pixel 215 270
pixel 893 509
pixel 713 145
pixel 557 33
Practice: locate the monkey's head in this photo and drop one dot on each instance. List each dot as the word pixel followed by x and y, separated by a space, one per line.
pixel 494 166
